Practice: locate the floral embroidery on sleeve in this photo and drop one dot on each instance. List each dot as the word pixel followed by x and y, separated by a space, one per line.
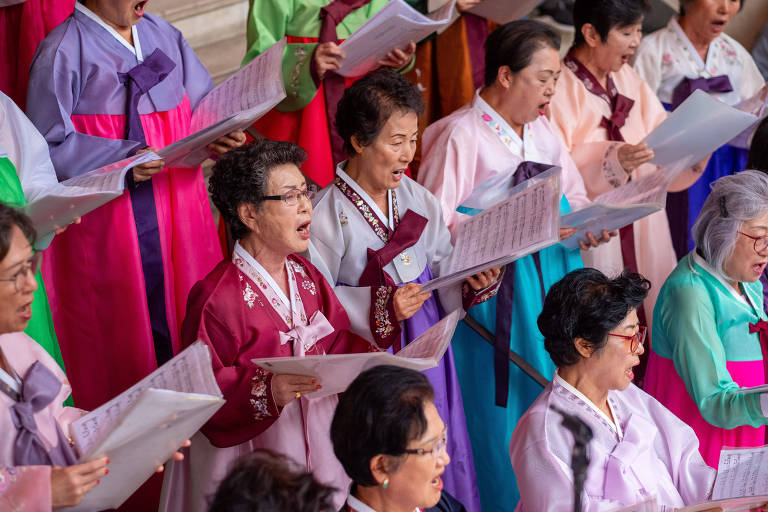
pixel 301 56
pixel 612 170
pixel 261 394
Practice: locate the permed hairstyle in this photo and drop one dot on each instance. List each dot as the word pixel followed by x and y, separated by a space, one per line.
pixel 758 150
pixel 684 4
pixel 605 15
pixel 514 44
pixel 370 102
pixel 242 176
pixel 265 481
pixel 380 413
pixel 587 304
pixel 10 217
pixel 734 199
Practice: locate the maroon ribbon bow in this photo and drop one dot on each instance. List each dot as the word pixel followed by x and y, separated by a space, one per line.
pixel 761 327
pixel 687 86
pixel 619 112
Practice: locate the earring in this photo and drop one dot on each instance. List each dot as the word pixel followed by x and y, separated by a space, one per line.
pixel 385 483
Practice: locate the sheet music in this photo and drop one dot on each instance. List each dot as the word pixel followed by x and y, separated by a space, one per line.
pixel 188 372
pixel 700 125
pixel 741 472
pixel 337 371
pixel 504 11
pixel 393 26
pixel 729 505
pixel 75 197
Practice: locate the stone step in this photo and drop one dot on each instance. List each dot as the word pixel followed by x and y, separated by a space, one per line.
pixel 222 58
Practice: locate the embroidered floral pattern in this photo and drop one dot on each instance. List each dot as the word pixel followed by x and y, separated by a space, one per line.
pixel 609 171
pixel 383 324
pixel 301 56
pixel 309 286
pixel 589 81
pixel 666 60
pixel 260 400
pixel 377 225
pixel 249 296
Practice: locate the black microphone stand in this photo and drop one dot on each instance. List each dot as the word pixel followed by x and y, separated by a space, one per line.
pixel 582 435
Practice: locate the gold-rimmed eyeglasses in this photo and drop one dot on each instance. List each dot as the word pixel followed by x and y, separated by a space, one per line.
pixel 19 278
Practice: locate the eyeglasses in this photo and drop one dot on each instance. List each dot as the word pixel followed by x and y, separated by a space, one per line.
pixel 761 242
pixel 636 339
pixel 291 198
pixel 31 265
pixel 438 447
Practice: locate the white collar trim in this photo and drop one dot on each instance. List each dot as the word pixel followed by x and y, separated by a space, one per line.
pixel 250 260
pixel 135 49
pixel 616 425
pixel 362 193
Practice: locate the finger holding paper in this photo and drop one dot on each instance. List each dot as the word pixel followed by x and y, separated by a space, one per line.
pixel 145 171
pixel 398 58
pixel 327 57
pixel 484 279
pixel 633 156
pixel 227 142
pixel 70 484
pixel 287 388
pixel 408 300
pixel 593 241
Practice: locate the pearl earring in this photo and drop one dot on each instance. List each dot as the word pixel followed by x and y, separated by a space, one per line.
pixel 385 483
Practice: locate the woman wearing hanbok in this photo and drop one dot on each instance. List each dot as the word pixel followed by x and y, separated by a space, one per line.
pixel 108 82
pixel 502 134
pixel 264 302
pixel 380 234
pixel 694 52
pixel 392 443
pixel 603 110
pixel 710 333
pixel 314 29
pixel 639 449
pixel 25 172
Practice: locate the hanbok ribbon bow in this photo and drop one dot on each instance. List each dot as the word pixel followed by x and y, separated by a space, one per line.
pixel 630 466
pixel 304 337
pixel 39 388
pixel 139 80
pixel 619 115
pixel 687 86
pixel 761 327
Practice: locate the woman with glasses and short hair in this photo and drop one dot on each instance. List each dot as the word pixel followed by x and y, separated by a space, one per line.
pixel 709 331
pixel 391 440
pixel 266 301
pixel 638 449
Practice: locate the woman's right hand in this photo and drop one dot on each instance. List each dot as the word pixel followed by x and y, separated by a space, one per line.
pixel 631 157
pixel 146 170
pixel 408 300
pixel 328 57
pixel 69 485
pixel 286 388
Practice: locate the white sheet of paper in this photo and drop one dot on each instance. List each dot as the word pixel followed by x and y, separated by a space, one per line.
pixel 504 11
pixel 525 222
pixel 150 431
pixel 232 105
pixel 337 371
pixel 754 389
pixel 700 125
pixel 741 472
pixel 79 195
pixel 188 372
pixel 728 505
pixel 394 26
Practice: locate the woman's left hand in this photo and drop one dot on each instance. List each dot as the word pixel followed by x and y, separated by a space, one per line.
pixel 176 455
pixel 592 241
pixel 399 58
pixel 224 143
pixel 484 279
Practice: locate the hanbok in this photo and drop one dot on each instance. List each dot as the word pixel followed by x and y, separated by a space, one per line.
pixel 706 345
pixel 461 151
pixel 241 313
pixel 118 282
pixel 643 451
pixel 368 253
pixel 303 117
pixel 25 171
pixel 594 123
pixel 669 63
pixel 447 503
pixel 25 470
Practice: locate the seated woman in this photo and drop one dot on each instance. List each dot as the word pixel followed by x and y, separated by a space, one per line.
pixel 264 480
pixel 390 438
pixel 37 462
pixel 709 333
pixel 381 234
pixel 639 449
pixel 265 302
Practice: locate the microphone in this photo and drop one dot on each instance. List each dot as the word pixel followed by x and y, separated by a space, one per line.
pixel 582 435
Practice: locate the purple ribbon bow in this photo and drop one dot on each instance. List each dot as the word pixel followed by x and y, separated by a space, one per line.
pixel 139 80
pixel 39 388
pixel 686 87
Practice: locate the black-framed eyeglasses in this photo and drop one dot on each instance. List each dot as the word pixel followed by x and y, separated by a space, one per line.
pixel 291 198
pixel 438 447
pixel 761 242
pixel 635 340
pixel 31 265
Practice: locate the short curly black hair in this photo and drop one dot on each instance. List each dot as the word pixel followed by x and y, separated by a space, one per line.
pixel 587 304
pixel 379 414
pixel 263 480
pixel 242 176
pixel 10 217
pixel 370 102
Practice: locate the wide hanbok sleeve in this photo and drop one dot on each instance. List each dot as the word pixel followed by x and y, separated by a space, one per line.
pixel 267 23
pixel 573 183
pixel 648 61
pixel 689 317
pixel 197 79
pixel 55 83
pixel 25 489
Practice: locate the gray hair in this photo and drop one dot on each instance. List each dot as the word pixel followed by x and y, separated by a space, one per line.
pixel 735 199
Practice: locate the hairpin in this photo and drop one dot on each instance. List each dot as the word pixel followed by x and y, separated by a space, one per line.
pixel 723 209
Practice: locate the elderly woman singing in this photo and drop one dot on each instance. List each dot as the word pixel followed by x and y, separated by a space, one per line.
pixel 710 330
pixel 265 302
